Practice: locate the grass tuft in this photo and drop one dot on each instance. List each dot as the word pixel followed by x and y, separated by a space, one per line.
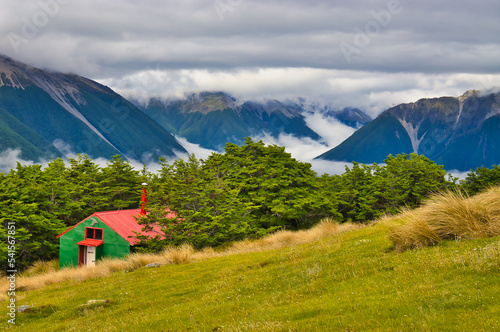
pixel 450 215
pixel 41 267
pixel 179 255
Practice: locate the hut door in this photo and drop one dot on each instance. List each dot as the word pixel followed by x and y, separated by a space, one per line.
pixel 82 255
pixel 90 261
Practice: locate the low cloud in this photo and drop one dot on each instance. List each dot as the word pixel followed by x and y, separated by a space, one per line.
pixel 192 148
pixel 372 92
pixel 305 150
pixel 332 131
pixel 458 174
pixel 329 167
pixel 9 159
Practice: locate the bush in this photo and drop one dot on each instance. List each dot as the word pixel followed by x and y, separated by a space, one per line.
pixel 481 179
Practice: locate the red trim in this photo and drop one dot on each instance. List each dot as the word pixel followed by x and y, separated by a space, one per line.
pixel 90 243
pixel 66 231
pixel 102 233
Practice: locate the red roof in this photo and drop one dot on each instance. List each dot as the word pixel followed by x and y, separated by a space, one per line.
pixel 124 223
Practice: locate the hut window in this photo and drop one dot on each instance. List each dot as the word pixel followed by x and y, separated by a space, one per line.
pixel 93 233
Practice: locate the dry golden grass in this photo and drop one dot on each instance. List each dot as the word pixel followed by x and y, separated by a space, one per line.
pixel 41 267
pixel 450 215
pixel 180 255
pixel 281 239
pixel 42 274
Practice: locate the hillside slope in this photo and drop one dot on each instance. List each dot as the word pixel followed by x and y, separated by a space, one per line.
pixel 15 135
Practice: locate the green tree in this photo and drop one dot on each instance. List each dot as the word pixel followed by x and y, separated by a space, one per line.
pixel 283 189
pixel 406 180
pixel 366 192
pixel 208 211
pixel 54 195
pixel 35 228
pixel 249 191
pixel 481 178
pixel 119 187
pixel 357 200
pixel 84 176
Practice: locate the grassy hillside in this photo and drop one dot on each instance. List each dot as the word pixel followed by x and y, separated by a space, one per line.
pixel 15 135
pixel 331 278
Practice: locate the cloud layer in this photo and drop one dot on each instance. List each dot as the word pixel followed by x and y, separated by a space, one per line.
pixel 368 54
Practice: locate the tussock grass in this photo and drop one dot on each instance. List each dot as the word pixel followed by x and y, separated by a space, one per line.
pixel 180 255
pixel 42 267
pixel 42 274
pixel 282 239
pixel 449 215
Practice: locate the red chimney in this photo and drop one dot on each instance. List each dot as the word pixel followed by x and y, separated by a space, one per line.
pixel 144 198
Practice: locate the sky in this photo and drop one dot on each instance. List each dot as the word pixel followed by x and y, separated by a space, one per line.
pixel 368 54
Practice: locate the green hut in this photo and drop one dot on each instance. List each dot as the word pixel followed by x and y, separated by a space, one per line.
pixel 103 234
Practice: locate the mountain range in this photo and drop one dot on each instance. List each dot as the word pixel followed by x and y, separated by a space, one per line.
pixel 47 115
pixel 460 133
pixel 212 119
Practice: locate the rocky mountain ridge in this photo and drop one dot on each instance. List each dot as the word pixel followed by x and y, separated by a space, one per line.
pixel 47 114
pixel 459 132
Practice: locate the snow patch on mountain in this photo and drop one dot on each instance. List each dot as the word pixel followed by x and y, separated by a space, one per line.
pixel 412 133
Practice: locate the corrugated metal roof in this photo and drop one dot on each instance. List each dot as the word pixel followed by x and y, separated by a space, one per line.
pixel 125 224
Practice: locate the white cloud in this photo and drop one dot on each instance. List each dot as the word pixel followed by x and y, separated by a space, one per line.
pixel 331 130
pixel 458 174
pixel 303 149
pixel 199 152
pixel 9 159
pixel 330 167
pixel 372 92
pixel 426 48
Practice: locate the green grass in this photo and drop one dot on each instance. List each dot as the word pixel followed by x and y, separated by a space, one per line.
pixel 352 281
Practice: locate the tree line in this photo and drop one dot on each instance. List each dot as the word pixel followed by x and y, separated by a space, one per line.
pixel 246 192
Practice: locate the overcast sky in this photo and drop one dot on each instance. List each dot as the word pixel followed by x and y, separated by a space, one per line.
pixel 366 53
